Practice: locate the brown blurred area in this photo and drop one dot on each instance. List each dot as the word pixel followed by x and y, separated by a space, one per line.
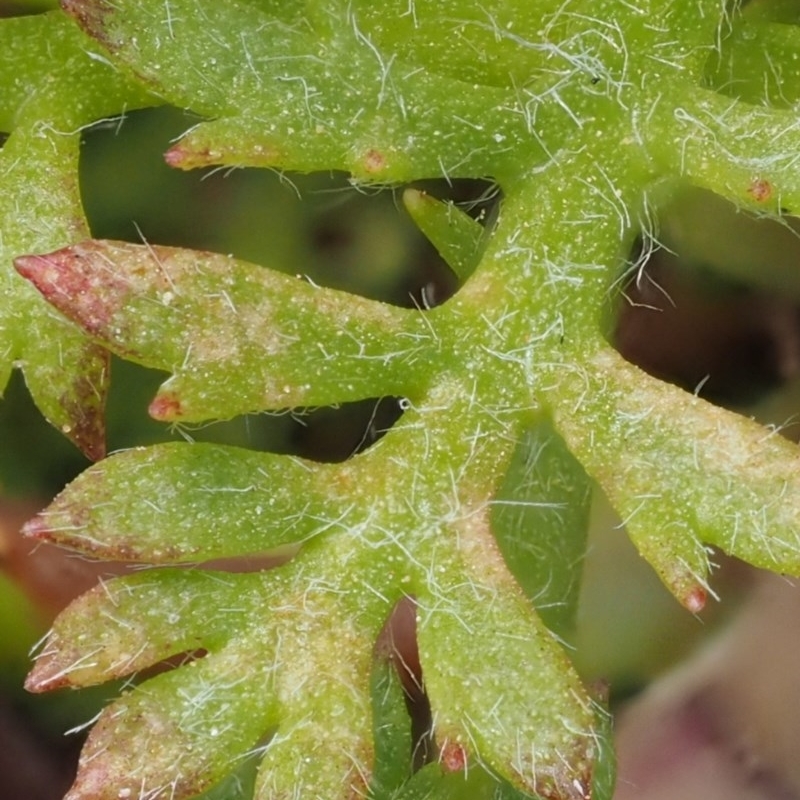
pixel 36 762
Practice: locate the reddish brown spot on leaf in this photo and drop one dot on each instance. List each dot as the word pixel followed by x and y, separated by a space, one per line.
pixel 91 15
pixel 86 405
pixel 374 162
pixel 453 757
pixel 760 190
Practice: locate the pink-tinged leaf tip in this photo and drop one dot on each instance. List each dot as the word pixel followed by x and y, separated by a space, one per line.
pixel 177 157
pixel 101 782
pixel 46 676
pixel 165 407
pixel 46 272
pixel 80 281
pixel 29 266
pixel 695 601
pixel 195 151
pixel 36 528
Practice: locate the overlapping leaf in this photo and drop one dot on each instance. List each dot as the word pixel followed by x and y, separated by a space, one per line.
pixel 51 87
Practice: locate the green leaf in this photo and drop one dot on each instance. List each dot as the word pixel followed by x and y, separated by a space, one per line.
pixel 757 65
pixel 582 117
pixel 460 38
pixel 226 331
pixel 494 673
pixel 286 669
pixel 712 145
pixel 541 518
pixel 131 623
pixel 392 731
pixel 297 98
pixel 209 712
pixel 184 502
pixel 729 482
pixel 433 782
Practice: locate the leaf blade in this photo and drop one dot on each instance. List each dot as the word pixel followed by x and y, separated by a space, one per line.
pixel 225 330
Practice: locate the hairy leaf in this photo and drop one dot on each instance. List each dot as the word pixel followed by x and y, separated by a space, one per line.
pixel 225 330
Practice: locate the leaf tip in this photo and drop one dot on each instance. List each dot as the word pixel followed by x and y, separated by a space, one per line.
pixel 695 600
pixel 199 149
pixel 45 677
pixel 36 528
pixel 414 199
pixel 80 282
pixel 49 273
pixel 165 407
pixel 90 439
pixel 43 271
pixel 179 157
pixel 94 782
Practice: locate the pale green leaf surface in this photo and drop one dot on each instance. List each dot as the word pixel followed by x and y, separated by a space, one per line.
pixel 213 711
pixel 713 143
pixel 757 64
pixel 392 731
pixel 459 39
pixel 297 97
pixel 433 782
pixel 510 671
pixel 774 11
pixel 127 624
pixel 180 502
pixel 287 670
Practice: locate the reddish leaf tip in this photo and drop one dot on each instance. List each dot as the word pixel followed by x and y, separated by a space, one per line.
pixel 181 156
pixel 79 282
pixel 92 442
pixel 695 601
pixel 175 156
pixel 165 407
pixel 45 677
pixel 98 781
pixel 29 266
